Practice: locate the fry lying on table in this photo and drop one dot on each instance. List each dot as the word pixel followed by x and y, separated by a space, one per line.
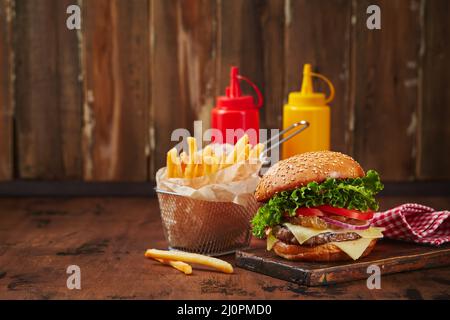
pixel 178 259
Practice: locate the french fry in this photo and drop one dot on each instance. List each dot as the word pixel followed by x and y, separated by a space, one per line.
pixel 210 159
pixel 199 170
pixel 244 154
pixel 189 171
pixel 237 150
pixel 223 161
pixel 207 151
pixel 231 157
pixel 211 165
pixel 207 161
pixel 179 265
pixel 217 149
pixel 170 166
pixel 192 145
pixel 214 164
pixel 178 167
pixel 215 263
pixel 241 143
pixel 174 169
pixel 184 157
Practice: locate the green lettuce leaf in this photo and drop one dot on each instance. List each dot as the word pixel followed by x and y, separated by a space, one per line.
pixel 357 194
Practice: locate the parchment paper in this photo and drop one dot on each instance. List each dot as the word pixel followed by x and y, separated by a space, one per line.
pixel 236 184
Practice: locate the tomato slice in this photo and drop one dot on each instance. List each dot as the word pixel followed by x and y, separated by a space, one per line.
pixel 354 214
pixel 309 212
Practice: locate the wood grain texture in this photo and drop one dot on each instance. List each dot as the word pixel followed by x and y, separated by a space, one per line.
pixel 116 37
pixel 70 99
pixel 151 66
pixel 47 92
pixel 239 43
pixel 40 237
pixel 183 69
pixel 390 256
pixel 273 42
pixel 385 69
pixel 434 135
pixel 6 90
pixel 39 145
pixel 168 106
pixel 196 43
pixel 318 32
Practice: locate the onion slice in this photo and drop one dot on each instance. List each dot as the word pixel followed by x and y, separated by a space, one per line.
pixel 346 225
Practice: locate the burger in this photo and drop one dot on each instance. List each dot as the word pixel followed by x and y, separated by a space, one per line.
pixel 318 206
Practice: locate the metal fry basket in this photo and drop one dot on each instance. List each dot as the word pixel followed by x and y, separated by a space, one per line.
pixel 210 227
pixel 205 227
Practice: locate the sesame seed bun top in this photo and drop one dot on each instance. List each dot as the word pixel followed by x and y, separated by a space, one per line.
pixel 301 169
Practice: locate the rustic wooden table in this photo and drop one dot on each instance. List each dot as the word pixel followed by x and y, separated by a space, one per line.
pixel 106 237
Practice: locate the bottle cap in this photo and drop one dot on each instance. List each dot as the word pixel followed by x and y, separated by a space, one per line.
pixel 307 96
pixel 233 94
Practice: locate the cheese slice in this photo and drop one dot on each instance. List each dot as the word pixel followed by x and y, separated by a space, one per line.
pixel 302 234
pixel 354 248
pixel 271 240
pixel 370 233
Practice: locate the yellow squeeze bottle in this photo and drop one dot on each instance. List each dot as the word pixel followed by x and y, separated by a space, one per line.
pixel 312 107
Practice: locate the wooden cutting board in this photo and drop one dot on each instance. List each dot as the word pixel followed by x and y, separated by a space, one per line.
pixel 391 256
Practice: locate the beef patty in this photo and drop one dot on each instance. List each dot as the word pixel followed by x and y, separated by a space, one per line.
pixel 282 233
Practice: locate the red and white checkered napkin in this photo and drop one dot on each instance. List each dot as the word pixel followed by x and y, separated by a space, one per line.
pixel 414 222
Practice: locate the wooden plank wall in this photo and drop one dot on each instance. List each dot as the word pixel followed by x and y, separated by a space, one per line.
pixel 47 95
pixel 6 90
pixel 115 48
pixel 325 43
pixel 100 104
pixel 434 112
pixel 385 67
pixel 182 69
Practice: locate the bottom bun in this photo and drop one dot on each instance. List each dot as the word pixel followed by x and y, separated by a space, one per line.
pixel 322 253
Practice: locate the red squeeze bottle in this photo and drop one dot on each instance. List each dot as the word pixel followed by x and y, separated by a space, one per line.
pixel 235 114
